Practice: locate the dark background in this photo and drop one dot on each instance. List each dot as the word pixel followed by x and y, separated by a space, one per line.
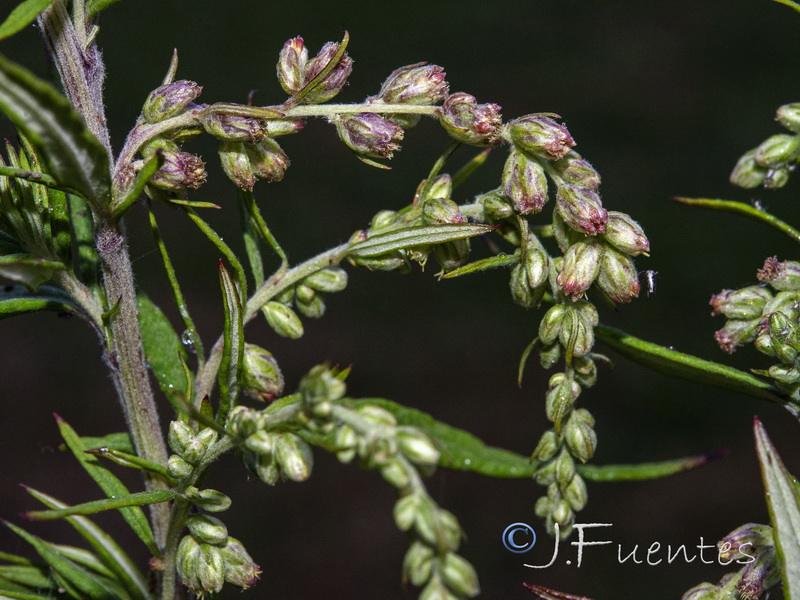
pixel 662 97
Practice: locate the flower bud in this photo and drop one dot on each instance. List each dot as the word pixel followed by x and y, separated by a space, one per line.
pixel 786 374
pixel 383 220
pixel 788 115
pixel 524 183
pixel 404 511
pixel 418 562
pixel 776 178
pixel 521 291
pixel 294 456
pixel 704 591
pixel 777 150
pixel 576 333
pixel 540 135
pixel 469 122
pixel 560 398
pixel 377 415
pixel 536 263
pixel 580 436
pixel 736 333
pixel 240 569
pixel 210 500
pixel 334 81
pixel 243 421
pixel 744 540
pixel 748 173
pixel 746 304
pixel 565 469
pixel 208 529
pixel 550 325
pixel 581 267
pixel 581 209
pixel 618 277
pixel 268 161
pixel 565 235
pixel 418 84
pixel 261 377
pixel 266 467
pixel 786 302
pixel 394 472
pixel 562 513
pixel 585 370
pixel 170 100
pixel 759 575
pixel 572 169
pixel 436 210
pixel 291 66
pixel 496 207
pixel 200 566
pixel 234 128
pixel 236 164
pixel 576 493
pixel 460 576
pixel 345 443
pixel 261 442
pixel 329 280
pixel 417 446
pixel 177 467
pixel 542 507
pixel 313 307
pixel 180 436
pixel 180 171
pixel 547 447
pixel 426 523
pixel 783 276
pixel 283 320
pixel 625 234
pixel 546 473
pixel 369 134
pixel 278 127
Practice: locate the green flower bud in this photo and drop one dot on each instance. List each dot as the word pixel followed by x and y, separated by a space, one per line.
pixel 291 66
pixel 704 591
pixel 451 255
pixel 377 415
pixel 346 442
pixel 460 576
pixel 777 150
pixel 776 178
pixel 179 437
pixel 581 267
pixel 547 447
pixel 618 277
pixel 329 280
pixel 786 302
pixel 573 169
pixel 549 355
pixel 418 562
pixel 565 235
pixel 625 234
pixel 524 183
pixel 178 468
pixel 210 500
pixel 236 164
pixel 748 173
pixel 546 473
pixel 208 529
pixel 783 330
pixel 266 467
pixel 383 220
pixel 261 377
pixel 405 510
pixel 521 291
pixel 394 472
pixel 496 207
pixel 240 569
pixel 550 325
pixel 243 421
pixel 334 81
pixel 576 333
pixel 303 293
pixel 417 446
pixel 580 436
pixel 783 276
pixel 170 100
pixel 234 128
pixel 436 590
pixel 261 442
pixel 542 507
pixel 469 122
pixel 540 135
pixel 441 210
pixel 313 308
pixel 581 209
pixel 267 159
pixel 426 522
pixel 565 469
pixel 736 333
pixel 787 374
pixel 283 320
pixel 562 513
pixel 560 398
pixel 188 558
pixel 788 115
pixel 278 127
pixel 746 304
pixel 536 262
pixel 576 494
pixel 180 171
pixel 294 456
pixel 585 370
pixel 200 566
pixel 369 134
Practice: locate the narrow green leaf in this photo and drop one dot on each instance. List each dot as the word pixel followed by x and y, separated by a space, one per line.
pixel 28 175
pixel 95 6
pixel 90 587
pixel 408 237
pixel 225 250
pixel 114 441
pixel 22 16
pixel 14 559
pixel 16 595
pixel 644 471
pixel 162 346
pixel 84 557
pixel 523 360
pixel 96 506
pixel 230 369
pixel 30 576
pixel 114 557
pixel 783 501
pixel 28 270
pixel 16 300
pixel 108 482
pixel 790 4
pixel 493 262
pixel 88 262
pixel 126 459
pixel 74 157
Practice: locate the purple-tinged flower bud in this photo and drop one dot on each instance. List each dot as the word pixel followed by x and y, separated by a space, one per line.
pixel 581 267
pixel 788 115
pixel 746 304
pixel 460 576
pixel 291 66
pixel 240 569
pixel 283 320
pixel 169 100
pixel 416 84
pixel 234 128
pixel 748 173
pixel 469 122
pixel 704 591
pixel 547 447
pixel 777 150
pixel 550 325
pixel 580 436
pixel 576 493
pixel 278 127
pixel 200 566
pixel 334 81
pixel 618 277
pixel 369 134
pixel 743 541
pixel 625 234
pixel 180 171
pixel 776 178
pixel 783 276
pixel 541 136
pixel 208 499
pixel 581 209
pixel 267 159
pixel 736 333
pixel 236 164
pixel 207 529
pixel 496 207
pixel 524 183
pixel 572 169
pixel 261 377
pixel 759 575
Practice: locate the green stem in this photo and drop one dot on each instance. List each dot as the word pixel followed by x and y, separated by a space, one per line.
pixel 261 225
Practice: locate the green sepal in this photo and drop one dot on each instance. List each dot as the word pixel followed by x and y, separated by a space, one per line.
pixel 17 300
pixel 126 459
pixel 783 502
pixel 162 346
pixel 28 270
pixel 230 369
pixel 22 16
pixel 408 237
pixel 108 551
pixel 484 264
pixel 110 484
pixel 74 157
pixel 96 506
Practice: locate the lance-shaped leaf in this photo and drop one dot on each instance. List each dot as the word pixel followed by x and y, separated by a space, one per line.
pixel 162 346
pixel 109 483
pixel 28 270
pixel 132 461
pixel 783 501
pixel 96 506
pixel 22 16
pixel 408 237
pixel 484 264
pixel 230 369
pixel 32 577
pixel 16 300
pixel 74 157
pixel 108 551
pixel 113 441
